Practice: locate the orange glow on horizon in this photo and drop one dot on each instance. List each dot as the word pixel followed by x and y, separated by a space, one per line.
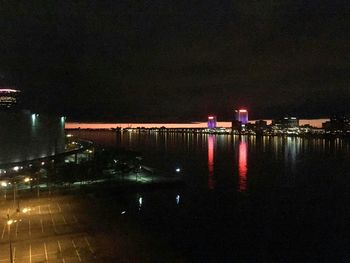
pixel 227 124
pixel 77 125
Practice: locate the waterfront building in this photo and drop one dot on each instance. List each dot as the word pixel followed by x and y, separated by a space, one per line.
pixel 260 127
pixel 26 136
pixel 240 120
pixel 241 115
pixel 286 122
pixel 8 98
pixel 211 122
pixel 236 126
pixel 337 124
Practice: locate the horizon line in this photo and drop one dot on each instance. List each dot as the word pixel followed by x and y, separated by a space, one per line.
pixel 224 124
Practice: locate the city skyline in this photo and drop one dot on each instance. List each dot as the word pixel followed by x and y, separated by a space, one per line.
pixel 174 131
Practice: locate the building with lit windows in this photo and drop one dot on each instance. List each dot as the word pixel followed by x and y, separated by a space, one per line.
pixel 27 136
pixel 211 122
pixel 286 122
pixel 8 98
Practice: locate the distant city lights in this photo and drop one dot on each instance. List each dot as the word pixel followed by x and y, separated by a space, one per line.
pixel 177 199
pixel 9 90
pixel 140 201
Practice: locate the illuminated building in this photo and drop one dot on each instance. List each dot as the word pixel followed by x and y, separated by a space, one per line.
pixel 241 116
pixel 8 98
pixel 211 122
pixel 286 122
pixel 240 120
pixel 25 136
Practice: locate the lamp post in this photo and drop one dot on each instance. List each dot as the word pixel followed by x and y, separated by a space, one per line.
pixel 9 222
pixel 15 196
pixel 37 185
pixel 14 193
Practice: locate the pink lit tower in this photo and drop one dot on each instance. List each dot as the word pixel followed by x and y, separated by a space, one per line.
pixel 241 115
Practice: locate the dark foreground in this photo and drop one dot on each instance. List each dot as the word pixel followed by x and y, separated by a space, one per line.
pixel 103 224
pixel 307 225
pixel 73 228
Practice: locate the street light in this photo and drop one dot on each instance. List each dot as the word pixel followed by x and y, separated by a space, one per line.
pixel 4 184
pixel 26 209
pixel 27 179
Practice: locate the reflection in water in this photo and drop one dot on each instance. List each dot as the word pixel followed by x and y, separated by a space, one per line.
pixel 268 162
pixel 242 166
pixel 211 180
pixel 140 202
pixel 290 154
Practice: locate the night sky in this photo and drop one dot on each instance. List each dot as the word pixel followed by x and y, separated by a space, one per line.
pixel 177 60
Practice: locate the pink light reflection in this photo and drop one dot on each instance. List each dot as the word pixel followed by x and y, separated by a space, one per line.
pixel 211 180
pixel 242 166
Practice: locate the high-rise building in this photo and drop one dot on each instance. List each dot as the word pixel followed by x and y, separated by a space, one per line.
pixel 241 115
pixel 211 122
pixel 8 98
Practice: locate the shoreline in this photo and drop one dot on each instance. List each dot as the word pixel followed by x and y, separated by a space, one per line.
pixel 194 132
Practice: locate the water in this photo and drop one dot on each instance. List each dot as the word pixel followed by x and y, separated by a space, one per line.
pixel 246 199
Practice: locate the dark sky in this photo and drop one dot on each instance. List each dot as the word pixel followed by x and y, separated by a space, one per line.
pixel 166 60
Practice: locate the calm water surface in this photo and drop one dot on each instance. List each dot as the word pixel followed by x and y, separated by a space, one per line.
pixel 246 199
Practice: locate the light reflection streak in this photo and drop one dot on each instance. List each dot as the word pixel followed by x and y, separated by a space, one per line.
pixel 211 180
pixel 242 166
pixel 177 199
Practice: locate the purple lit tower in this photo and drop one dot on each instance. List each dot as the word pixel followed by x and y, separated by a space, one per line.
pixel 211 122
pixel 241 116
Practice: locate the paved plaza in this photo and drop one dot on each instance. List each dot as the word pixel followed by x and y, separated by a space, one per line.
pixel 46 230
